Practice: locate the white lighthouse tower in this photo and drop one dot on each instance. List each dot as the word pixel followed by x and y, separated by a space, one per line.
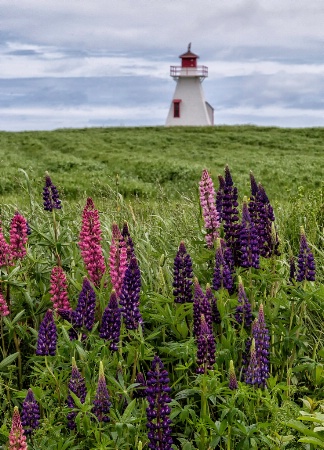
pixel 188 106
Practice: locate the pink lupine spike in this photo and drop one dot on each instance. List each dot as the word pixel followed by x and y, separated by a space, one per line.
pixel 4 310
pixel 18 236
pixel 58 291
pixel 208 206
pixel 17 438
pixel 90 238
pixel 117 259
pixel 5 254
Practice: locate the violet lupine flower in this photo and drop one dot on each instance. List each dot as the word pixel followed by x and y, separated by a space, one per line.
pixel 130 296
pixel 50 196
pixel 252 203
pixel 129 242
pixel 140 391
pixel 84 314
pixel 4 310
pixel 117 259
pixel 58 290
pixel 158 411
pixel 78 387
pixel 268 244
pixel 30 414
pixel 18 236
pixel 101 403
pixel 5 254
pixel 182 276
pixel 248 240
pixel 230 217
pixel 252 374
pixel 206 347
pixel 47 336
pixel 222 274
pixel 306 262
pixel 201 305
pixel 111 322
pixel 232 377
pixel 219 197
pixel 243 313
pixel 89 243
pixel 208 206
pixel 216 317
pixel 17 438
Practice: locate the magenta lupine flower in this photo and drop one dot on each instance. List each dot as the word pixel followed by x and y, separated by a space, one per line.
pixel 219 197
pixel 117 259
pixel 4 310
pixel 50 196
pixel 230 216
pixel 130 296
pixel 58 290
pixel 101 403
pixel 158 410
pixel 248 241
pixel 208 206
pixel 5 253
pixel 18 236
pixel 78 387
pixel 222 273
pixel 17 438
pixel 30 414
pixel 306 262
pixel 216 318
pixel 47 336
pixel 206 347
pixel 182 276
pixel 243 313
pixel 129 242
pixel 111 322
pixel 232 377
pixel 90 238
pixel 201 305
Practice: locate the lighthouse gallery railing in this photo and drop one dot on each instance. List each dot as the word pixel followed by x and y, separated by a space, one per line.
pixel 199 71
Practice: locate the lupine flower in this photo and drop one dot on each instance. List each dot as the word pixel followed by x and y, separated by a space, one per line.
pixel 243 314
pixel 78 387
pixel 252 202
pixel 201 305
pixel 230 215
pixel 140 391
pixel 232 377
pixel 306 262
pixel 158 411
pixel 84 314
pixel 111 321
pixel 47 336
pixel 90 238
pixel 182 276
pixel 248 240
pixel 219 197
pixel 292 268
pixel 4 310
pixel 129 242
pixel 216 318
pixel 30 413
pixel 50 196
pixel 101 403
pixel 222 274
pixel 208 206
pixel 206 347
pixel 268 244
pixel 130 296
pixel 5 254
pixel 58 290
pixel 252 374
pixel 18 236
pixel 117 259
pixel 29 231
pixel 17 438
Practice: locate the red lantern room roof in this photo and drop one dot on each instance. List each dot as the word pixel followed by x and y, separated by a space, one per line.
pixel 188 54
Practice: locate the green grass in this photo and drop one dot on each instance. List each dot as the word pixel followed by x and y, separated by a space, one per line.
pixel 157 161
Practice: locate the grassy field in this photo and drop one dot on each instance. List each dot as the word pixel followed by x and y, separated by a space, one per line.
pixel 160 161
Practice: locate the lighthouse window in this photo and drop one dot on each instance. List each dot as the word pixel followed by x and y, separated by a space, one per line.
pixel 176 108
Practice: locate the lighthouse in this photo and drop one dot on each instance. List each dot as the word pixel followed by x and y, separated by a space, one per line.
pixel 188 106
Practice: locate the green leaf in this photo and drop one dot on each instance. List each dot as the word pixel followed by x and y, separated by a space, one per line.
pixel 312 440
pixel 5 362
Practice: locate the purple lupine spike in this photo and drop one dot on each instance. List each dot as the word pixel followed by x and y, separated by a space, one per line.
pixel 101 403
pixel 248 240
pixel 18 236
pixel 306 263
pixel 29 230
pixel 201 306
pixel 130 296
pixel 222 274
pixel 216 318
pixel 129 242
pixel 252 374
pixel 243 313
pixel 50 195
pixel 219 197
pixel 140 391
pixel 4 310
pixel 230 217
pixel 158 410
pixel 208 206
pixel 5 254
pixel 252 203
pixel 47 336
pixel 182 276
pixel 84 314
pixel 78 387
pixel 254 186
pixel 117 259
pixel 206 347
pixel 30 413
pixel 111 322
pixel 17 438
pixel 232 377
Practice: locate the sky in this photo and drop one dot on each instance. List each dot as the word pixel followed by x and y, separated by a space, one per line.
pixel 97 63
